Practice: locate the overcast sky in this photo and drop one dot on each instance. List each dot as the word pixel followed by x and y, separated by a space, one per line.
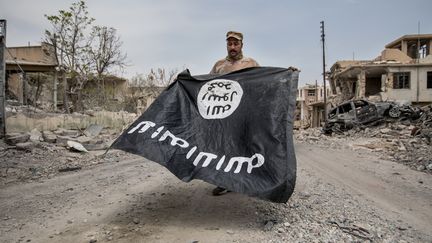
pixel 191 33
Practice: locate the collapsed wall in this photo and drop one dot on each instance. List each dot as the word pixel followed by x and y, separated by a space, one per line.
pixel 25 120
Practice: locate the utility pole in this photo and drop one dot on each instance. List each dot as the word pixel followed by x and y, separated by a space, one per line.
pixel 418 61
pixel 324 72
pixel 2 78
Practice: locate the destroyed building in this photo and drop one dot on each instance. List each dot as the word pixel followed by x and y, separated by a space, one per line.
pixel 310 105
pixel 402 73
pixel 24 60
pixel 32 78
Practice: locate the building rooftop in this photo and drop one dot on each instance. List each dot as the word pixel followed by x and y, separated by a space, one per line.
pixel 396 42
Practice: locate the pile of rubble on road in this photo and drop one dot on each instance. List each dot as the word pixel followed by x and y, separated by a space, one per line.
pixel 401 140
pixel 41 154
pixel 81 141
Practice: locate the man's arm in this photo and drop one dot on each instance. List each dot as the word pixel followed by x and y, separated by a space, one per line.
pixel 250 62
pixel 255 63
pixel 215 67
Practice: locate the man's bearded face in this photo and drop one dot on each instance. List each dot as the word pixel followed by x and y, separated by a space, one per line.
pixel 234 47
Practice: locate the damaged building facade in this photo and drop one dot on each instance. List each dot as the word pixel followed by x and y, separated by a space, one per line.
pixel 402 73
pixel 310 105
pixel 32 78
pixel 23 60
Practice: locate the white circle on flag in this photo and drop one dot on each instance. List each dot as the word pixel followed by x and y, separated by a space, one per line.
pixel 219 98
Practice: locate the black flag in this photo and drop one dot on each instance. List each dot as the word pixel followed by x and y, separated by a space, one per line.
pixel 232 130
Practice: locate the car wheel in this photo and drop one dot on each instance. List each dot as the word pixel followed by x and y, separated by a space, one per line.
pixel 337 128
pixel 394 112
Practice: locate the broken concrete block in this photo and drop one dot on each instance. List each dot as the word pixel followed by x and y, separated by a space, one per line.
pixel 96 146
pixel 49 137
pixel 28 146
pixel 13 134
pixel 35 136
pixel 17 138
pixel 70 133
pixel 62 140
pixel 75 146
pixel 402 127
pixel 83 139
pixel 58 131
pixel 93 130
pixel 421 167
pixel 402 147
pixel 385 130
pixel 66 132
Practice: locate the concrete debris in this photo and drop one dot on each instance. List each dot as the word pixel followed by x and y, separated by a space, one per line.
pixel 269 224
pixel 75 146
pixel 66 132
pixel 354 230
pixel 49 137
pixel 421 167
pixel 14 138
pixel 48 153
pixel 401 140
pixel 96 146
pixel 82 139
pixel 62 140
pixel 36 136
pixel 27 146
pixel 93 130
pixel 385 130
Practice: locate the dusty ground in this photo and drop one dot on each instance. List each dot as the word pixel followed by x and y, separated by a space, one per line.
pixel 341 196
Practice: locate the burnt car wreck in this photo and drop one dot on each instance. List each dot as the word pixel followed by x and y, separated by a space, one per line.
pixel 362 113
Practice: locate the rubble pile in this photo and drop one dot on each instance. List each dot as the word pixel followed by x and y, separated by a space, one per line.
pixel 90 139
pixel 41 154
pixel 403 141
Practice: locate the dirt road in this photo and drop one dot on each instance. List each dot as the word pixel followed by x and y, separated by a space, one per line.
pixel 341 196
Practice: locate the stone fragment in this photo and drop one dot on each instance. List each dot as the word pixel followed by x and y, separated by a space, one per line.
pixel 97 146
pixel 27 146
pixel 66 132
pixel 35 136
pixel 75 146
pixel 49 137
pixel 93 130
pixel 83 139
pixel 62 140
pixel 268 225
pixel 421 167
pixel 385 130
pixel 17 138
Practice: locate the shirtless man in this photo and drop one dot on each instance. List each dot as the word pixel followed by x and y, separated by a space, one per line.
pixel 232 62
